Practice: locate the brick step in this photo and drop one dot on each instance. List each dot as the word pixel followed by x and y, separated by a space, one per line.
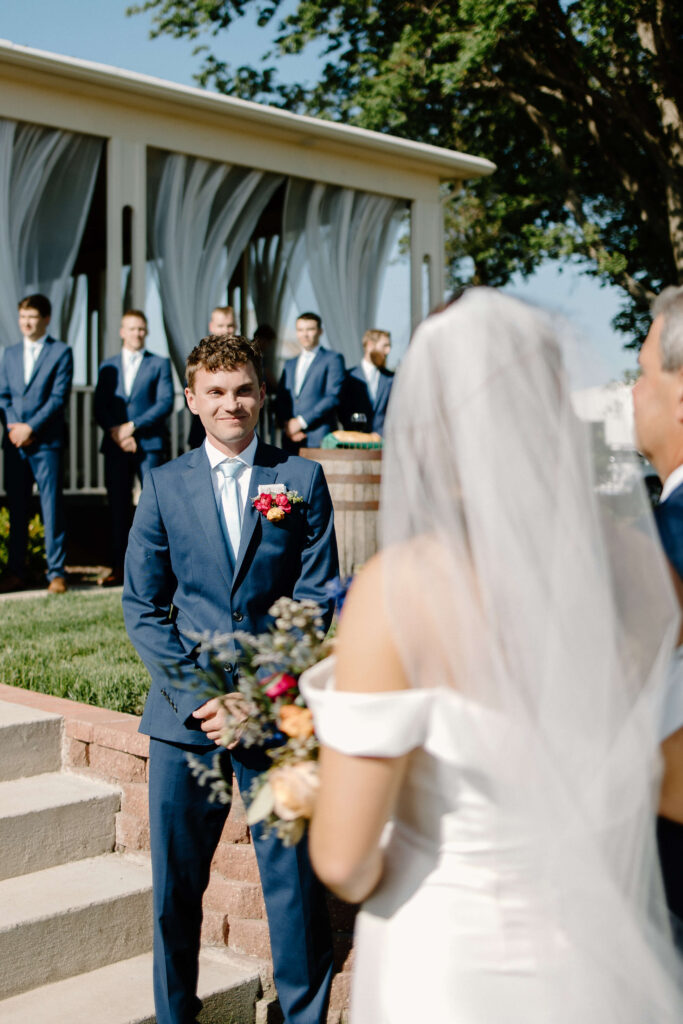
pixel 73 918
pixel 30 741
pixel 121 993
pixel 51 819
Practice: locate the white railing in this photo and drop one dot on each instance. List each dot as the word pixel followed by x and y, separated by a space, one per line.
pixel 83 462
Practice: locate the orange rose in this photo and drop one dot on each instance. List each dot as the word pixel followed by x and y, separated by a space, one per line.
pixel 294 788
pixel 275 514
pixel 296 722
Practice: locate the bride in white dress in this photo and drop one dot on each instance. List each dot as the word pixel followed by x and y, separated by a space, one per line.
pixel 492 699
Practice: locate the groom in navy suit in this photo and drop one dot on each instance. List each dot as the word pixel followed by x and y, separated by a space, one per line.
pixel 202 558
pixel 35 381
pixel 307 397
pixel 133 400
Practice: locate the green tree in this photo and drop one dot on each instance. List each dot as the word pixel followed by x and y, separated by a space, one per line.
pixel 578 102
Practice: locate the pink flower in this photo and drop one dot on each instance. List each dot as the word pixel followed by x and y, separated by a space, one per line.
pixel 283 502
pixel 281 683
pixel 263 503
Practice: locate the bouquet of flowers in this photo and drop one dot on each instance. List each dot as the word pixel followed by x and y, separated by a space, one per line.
pixel 268 710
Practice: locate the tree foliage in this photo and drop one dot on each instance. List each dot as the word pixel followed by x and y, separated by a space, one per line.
pixel 578 102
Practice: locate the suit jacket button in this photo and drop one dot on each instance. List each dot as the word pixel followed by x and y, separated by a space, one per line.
pixel 237 616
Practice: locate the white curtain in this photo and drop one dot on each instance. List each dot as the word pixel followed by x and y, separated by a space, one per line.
pixel 201 217
pixel 343 237
pixel 47 177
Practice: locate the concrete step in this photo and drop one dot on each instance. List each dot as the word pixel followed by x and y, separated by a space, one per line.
pixel 121 993
pixel 54 818
pixel 30 741
pixel 73 918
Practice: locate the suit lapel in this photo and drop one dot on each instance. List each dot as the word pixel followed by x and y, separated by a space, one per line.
pixel 197 481
pixel 311 371
pixel 45 353
pixel 139 378
pixel 260 475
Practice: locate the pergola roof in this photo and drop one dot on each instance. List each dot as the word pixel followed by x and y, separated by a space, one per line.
pixel 114 85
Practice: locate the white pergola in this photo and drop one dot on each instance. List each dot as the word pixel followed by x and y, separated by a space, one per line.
pixel 133 113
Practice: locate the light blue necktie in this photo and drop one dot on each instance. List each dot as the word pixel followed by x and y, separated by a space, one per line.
pixel 230 501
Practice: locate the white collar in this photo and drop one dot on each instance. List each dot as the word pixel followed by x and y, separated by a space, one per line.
pixel 216 457
pixel 309 353
pixel 40 341
pixel 673 481
pixel 369 368
pixel 131 355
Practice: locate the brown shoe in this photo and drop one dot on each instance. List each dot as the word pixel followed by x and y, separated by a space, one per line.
pixel 57 586
pixel 113 579
pixel 10 583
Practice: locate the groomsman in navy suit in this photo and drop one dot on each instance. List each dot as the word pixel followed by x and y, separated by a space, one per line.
pixel 35 381
pixel 307 397
pixel 133 400
pixel 202 558
pixel 658 412
pixel 366 390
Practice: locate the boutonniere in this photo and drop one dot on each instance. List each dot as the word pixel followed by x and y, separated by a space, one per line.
pixel 275 502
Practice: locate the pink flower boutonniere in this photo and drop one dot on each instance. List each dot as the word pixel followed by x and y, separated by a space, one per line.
pixel 275 502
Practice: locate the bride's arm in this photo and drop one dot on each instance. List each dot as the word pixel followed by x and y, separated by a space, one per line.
pixel 357 794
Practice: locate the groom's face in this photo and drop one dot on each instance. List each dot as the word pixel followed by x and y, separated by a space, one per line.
pixel 228 403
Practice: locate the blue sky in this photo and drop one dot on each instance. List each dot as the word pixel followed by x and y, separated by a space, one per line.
pixel 99 30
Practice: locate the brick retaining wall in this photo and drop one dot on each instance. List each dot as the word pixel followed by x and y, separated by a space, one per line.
pixel 106 745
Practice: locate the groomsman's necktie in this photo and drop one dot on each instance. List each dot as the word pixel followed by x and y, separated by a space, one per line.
pixel 230 501
pixel 31 353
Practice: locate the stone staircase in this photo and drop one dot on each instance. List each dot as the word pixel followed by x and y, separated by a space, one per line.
pixel 75 917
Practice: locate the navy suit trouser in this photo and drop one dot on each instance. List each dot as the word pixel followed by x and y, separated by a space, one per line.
pixel 120 470
pixel 45 467
pixel 185 829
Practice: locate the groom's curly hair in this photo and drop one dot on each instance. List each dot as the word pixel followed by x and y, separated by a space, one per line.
pixel 223 352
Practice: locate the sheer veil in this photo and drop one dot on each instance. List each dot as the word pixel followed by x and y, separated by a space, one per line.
pixel 544 605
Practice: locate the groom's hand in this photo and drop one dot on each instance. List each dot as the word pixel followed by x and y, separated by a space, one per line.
pixel 223 715
pixel 214 719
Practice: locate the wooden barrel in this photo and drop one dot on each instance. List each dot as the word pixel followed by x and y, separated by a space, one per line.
pixel 353 476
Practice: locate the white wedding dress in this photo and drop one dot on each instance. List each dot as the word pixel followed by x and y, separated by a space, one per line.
pixel 468 924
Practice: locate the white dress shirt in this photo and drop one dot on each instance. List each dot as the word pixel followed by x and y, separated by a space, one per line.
pixel 671 483
pixel 371 373
pixel 131 364
pixel 32 350
pixel 303 365
pixel 216 457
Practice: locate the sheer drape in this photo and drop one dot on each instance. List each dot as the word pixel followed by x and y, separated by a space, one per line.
pixel 343 238
pixel 47 178
pixel 201 217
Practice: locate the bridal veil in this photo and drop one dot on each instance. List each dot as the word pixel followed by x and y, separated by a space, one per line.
pixel 514 578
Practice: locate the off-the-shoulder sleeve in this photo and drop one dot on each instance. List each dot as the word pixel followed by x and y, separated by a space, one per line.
pixel 385 724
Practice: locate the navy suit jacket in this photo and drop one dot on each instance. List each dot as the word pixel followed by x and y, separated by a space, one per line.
pixel 42 401
pixel 148 405
pixel 318 399
pixel 355 397
pixel 669 519
pixel 179 577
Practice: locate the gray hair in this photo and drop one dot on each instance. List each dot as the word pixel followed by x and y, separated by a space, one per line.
pixel 669 305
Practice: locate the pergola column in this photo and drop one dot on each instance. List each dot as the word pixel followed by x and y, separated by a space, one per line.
pixel 426 257
pixel 126 188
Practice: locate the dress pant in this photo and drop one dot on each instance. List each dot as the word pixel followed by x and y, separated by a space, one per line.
pixel 185 829
pixel 120 470
pixel 45 467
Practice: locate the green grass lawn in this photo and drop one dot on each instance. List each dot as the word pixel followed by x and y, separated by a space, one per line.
pixel 73 646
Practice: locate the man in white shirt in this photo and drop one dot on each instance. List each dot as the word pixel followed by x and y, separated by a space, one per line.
pixel 307 397
pixel 367 387
pixel 35 381
pixel 222 321
pixel 658 411
pixel 133 399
